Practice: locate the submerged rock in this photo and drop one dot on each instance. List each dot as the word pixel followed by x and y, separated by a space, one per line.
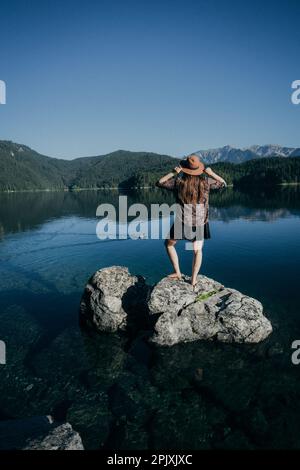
pixel 38 433
pixel 113 298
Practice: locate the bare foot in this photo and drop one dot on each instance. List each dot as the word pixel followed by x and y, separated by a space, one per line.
pixel 175 276
pixel 194 283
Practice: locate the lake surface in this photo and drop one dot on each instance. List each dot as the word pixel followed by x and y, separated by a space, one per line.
pixel 113 395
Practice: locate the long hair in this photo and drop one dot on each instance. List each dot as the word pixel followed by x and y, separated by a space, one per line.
pixel 191 189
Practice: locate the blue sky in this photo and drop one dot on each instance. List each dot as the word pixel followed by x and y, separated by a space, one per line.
pixel 90 77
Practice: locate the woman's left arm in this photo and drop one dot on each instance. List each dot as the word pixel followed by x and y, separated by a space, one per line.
pixel 214 175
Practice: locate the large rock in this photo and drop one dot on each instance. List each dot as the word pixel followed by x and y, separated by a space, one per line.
pixel 38 433
pixel 113 298
pixel 212 311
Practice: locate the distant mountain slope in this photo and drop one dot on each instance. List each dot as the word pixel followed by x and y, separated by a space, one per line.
pixel 271 150
pixel 125 169
pixel 260 172
pixel 21 168
pixel 295 153
pixel 237 155
pixel 226 154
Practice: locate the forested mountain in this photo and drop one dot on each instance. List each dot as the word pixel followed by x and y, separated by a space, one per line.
pixel 125 169
pixel 21 168
pixel 264 171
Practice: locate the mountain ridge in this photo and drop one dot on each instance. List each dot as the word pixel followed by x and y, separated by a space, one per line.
pixel 232 154
pixel 227 153
pixel 22 168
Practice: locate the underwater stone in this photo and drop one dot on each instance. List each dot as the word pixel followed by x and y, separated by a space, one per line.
pixel 38 433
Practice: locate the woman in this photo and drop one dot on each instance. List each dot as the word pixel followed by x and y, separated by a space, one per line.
pixel 191 220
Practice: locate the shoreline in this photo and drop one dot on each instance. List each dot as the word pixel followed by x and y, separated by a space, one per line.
pixel 116 188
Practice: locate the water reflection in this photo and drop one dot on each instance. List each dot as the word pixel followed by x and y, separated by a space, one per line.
pixel 28 210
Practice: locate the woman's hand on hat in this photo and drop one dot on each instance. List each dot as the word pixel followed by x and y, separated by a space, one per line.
pixel 208 171
pixel 216 177
pixel 177 169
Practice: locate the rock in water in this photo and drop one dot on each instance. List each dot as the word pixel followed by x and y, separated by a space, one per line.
pixel 212 311
pixel 113 298
pixel 38 433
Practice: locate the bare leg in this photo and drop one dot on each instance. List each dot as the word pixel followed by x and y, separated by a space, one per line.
pixel 172 253
pixel 197 260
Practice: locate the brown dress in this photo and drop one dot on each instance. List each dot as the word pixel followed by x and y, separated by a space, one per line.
pixel 191 222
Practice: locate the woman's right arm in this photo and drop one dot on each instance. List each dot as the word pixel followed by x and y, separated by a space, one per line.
pixel 164 181
pixel 165 178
